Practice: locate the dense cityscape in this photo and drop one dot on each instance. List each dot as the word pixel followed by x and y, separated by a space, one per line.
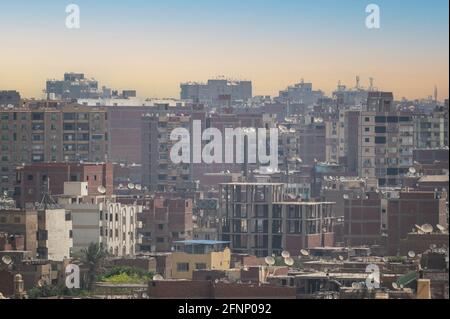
pixel 224 158
pixel 93 206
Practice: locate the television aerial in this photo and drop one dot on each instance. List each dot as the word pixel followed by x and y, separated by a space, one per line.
pixel 289 261
pixel 285 254
pixel 412 254
pixel 270 260
pixel 304 252
pixel 7 260
pixel 101 189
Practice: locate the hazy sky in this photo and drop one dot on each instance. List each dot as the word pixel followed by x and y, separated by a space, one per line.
pixel 152 46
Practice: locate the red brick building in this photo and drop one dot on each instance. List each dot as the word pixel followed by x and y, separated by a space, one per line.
pixel 413 208
pixel 32 179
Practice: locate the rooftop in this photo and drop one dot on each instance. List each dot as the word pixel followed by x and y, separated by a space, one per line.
pixel 202 242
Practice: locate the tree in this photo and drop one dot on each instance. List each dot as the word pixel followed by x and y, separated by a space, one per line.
pixel 94 258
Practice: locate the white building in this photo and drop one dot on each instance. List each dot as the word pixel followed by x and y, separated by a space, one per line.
pixel 103 221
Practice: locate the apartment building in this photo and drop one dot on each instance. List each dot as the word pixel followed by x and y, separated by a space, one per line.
pixel 159 173
pixel 54 233
pixel 191 255
pixel 256 220
pixel 9 98
pixel 21 222
pixel 70 133
pixel 34 180
pixel 101 220
pixel 217 92
pixel 73 86
pixel 430 131
pixel 165 221
pixel 312 140
pixel 412 208
pixel 385 151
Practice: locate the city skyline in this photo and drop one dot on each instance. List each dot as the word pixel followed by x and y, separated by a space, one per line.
pixel 153 47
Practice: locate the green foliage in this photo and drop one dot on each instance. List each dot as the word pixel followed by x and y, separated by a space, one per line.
pixel 126 275
pixel 94 257
pixel 47 291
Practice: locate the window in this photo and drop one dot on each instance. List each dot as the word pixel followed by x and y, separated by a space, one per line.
pixel 182 267
pixel 380 119
pixel 367 129
pixel 380 129
pixel 367 140
pixel 380 140
pixel 200 266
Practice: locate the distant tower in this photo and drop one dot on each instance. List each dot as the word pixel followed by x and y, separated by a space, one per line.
pixel 371 84
pixel 435 94
pixel 358 82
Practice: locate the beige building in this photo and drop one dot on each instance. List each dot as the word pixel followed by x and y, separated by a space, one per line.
pixel 54 235
pixel 386 137
pixel 194 255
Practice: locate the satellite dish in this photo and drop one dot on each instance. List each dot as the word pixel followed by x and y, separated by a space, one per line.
pixel 441 228
pixel 40 283
pixel 433 246
pixel 304 252
pixel 131 186
pixel 427 228
pixel 289 261
pixel 270 260
pixel 346 196
pixel 120 185
pixel 285 254
pixel 341 258
pixel 419 229
pixel 356 285
pixel 7 260
pixel 101 189
pixel 138 187
pixel 395 286
pixel 411 254
pixel 158 278
pixel 412 170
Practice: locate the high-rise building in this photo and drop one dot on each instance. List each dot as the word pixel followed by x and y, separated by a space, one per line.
pixel 70 133
pixel 302 93
pixel 385 151
pixel 74 86
pixel 159 173
pixel 8 98
pixel 219 92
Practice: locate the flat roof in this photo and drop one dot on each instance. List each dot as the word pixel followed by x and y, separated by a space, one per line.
pixel 202 242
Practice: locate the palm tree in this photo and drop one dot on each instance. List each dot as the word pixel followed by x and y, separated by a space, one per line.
pixel 94 258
